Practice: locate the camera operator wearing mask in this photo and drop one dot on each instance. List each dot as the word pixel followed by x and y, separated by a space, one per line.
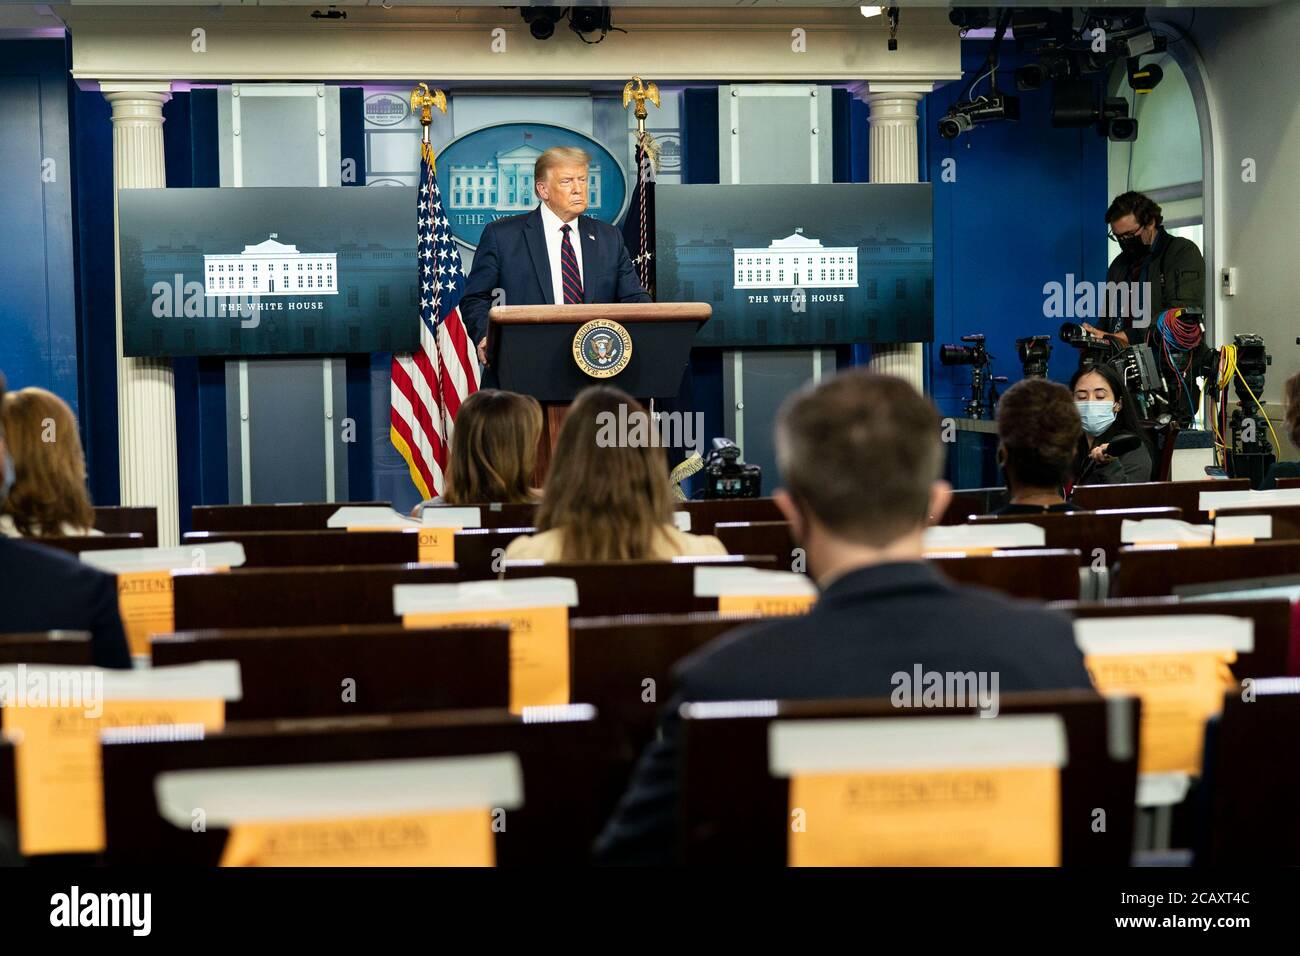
pixel 1114 450
pixel 1172 265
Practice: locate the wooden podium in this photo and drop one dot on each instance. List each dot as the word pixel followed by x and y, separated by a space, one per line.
pixel 531 348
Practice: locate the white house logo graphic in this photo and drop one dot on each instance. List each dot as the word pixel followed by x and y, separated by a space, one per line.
pixel 796 260
pixel 271 268
pixel 505 183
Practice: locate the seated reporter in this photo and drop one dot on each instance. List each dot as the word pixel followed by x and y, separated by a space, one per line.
pixel 49 497
pixel 1288 469
pixel 1038 435
pixel 606 499
pixel 860 458
pixel 493 451
pixel 1110 423
pixel 42 589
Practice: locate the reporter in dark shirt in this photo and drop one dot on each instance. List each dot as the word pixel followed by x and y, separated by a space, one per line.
pixel 42 589
pixel 1038 434
pixel 860 459
pixel 1108 415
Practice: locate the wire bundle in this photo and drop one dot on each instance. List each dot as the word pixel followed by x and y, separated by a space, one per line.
pixel 1227 371
pixel 1180 335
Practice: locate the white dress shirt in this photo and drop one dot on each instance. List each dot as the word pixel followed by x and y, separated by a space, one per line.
pixel 551 224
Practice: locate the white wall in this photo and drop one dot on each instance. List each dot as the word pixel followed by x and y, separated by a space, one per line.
pixel 1253 73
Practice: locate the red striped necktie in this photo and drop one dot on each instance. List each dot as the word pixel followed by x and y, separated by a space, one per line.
pixel 569 269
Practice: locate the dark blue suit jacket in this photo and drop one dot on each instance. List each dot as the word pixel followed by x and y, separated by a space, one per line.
pixel 44 589
pixel 867 626
pixel 511 256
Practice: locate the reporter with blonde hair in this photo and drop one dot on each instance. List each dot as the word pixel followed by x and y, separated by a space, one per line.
pixel 607 500
pixel 49 497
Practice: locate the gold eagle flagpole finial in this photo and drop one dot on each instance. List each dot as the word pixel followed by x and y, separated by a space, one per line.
pixel 424 101
pixel 637 91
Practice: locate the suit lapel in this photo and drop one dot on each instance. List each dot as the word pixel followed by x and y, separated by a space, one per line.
pixel 589 256
pixel 536 242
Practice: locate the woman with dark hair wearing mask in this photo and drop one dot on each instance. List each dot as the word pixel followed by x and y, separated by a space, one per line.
pixel 1108 417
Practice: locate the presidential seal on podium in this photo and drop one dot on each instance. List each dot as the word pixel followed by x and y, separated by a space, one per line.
pixel 602 348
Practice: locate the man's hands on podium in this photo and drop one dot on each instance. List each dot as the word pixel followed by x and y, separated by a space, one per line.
pixel 482 351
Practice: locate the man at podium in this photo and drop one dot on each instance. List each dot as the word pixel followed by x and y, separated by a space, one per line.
pixel 552 255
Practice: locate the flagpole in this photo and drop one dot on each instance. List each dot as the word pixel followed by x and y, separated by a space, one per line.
pixel 425 100
pixel 637 92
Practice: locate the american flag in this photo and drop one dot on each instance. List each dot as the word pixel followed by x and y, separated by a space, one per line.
pixel 429 385
pixel 639 226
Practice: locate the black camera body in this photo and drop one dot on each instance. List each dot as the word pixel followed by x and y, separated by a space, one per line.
pixel 972 354
pixel 1035 351
pixel 1092 351
pixel 977 357
pixel 726 476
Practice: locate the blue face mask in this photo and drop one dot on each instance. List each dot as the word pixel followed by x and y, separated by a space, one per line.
pixel 1096 416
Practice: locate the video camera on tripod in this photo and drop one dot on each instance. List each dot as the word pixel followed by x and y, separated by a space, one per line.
pixel 977 357
pixel 1250 453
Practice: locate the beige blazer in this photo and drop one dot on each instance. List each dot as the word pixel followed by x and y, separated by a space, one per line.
pixel 671 544
pixel 10 530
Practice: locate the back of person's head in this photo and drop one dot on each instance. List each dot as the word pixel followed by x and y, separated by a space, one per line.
pixel 49 468
pixel 1039 429
pixel 493 449
pixel 1292 407
pixel 607 491
pixel 860 455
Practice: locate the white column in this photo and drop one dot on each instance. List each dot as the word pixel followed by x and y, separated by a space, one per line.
pixel 894 157
pixel 146 390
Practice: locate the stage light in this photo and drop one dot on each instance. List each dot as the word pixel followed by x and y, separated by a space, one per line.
pixel 870 11
pixel 542 20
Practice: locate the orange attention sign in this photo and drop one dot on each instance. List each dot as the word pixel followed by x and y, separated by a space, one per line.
pixel 435 545
pixel 145 601
pixel 775 605
pixel 1180 691
pixel 978 816
pixel 539 648
pixel 57 763
pixel 445 838
pixel 438 545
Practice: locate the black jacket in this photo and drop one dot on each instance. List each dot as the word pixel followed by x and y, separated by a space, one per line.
pixel 43 589
pixel 511 256
pixel 1175 269
pixel 1132 466
pixel 868 625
